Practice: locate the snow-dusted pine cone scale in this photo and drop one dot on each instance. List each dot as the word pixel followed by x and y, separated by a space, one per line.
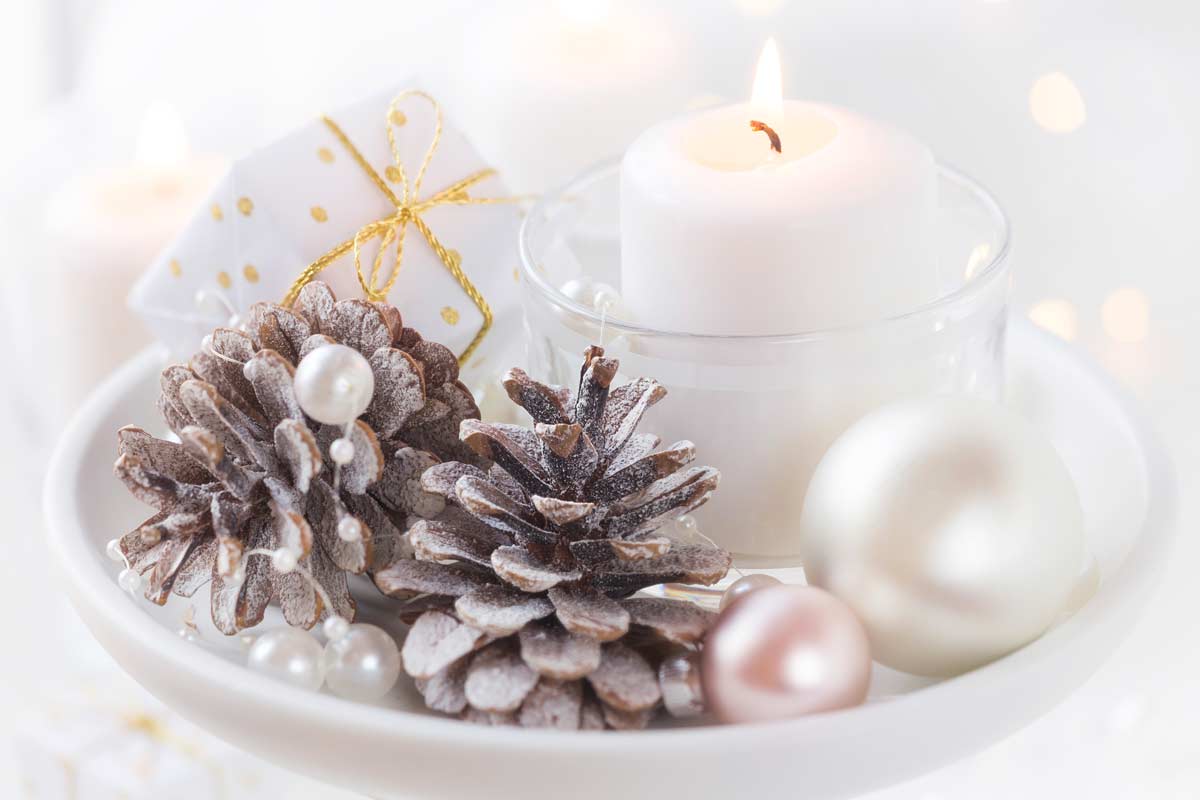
pixel 252 471
pixel 521 590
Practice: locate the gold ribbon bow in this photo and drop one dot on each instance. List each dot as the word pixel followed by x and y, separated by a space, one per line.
pixel 408 210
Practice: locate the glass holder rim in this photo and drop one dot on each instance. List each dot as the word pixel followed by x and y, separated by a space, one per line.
pixel 976 284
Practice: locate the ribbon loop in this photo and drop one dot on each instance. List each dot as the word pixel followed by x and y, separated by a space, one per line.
pixel 408 210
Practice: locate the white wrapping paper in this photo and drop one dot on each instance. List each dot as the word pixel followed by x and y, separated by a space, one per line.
pixel 291 202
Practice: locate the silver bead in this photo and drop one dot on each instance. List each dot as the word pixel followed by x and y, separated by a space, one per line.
pixel 290 655
pixel 334 384
pixel 349 529
pixel 341 451
pixel 363 664
pixel 679 679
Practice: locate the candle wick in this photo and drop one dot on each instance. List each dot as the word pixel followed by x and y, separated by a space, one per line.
pixel 763 127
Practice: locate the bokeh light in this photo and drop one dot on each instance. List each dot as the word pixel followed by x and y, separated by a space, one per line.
pixel 1057 316
pixel 1057 104
pixel 1125 315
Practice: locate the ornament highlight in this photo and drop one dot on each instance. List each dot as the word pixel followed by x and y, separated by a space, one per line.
pixel 362 664
pixel 951 527
pixel 334 384
pixel 783 652
pixel 290 655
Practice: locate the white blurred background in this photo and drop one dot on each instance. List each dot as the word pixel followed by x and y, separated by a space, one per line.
pixel 1081 116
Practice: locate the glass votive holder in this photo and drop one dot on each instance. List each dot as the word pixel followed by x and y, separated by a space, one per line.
pixel 764 409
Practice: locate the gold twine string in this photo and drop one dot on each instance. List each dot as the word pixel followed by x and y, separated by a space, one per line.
pixel 408 210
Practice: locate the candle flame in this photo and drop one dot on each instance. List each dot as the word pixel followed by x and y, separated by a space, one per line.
pixel 767 95
pixel 162 140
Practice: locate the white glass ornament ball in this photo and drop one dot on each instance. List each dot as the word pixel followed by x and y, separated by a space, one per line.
pixel 290 655
pixel 334 384
pixel 950 526
pixel 363 664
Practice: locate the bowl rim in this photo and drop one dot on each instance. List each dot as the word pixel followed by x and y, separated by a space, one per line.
pixel 100 600
pixel 977 284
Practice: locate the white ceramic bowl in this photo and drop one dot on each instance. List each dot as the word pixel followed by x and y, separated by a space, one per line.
pixel 399 750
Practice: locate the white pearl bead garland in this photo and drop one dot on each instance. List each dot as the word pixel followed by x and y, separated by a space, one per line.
pixel 341 451
pixel 334 384
pixel 130 581
pixel 593 294
pixel 744 586
pixel 290 655
pixel 113 549
pixel 363 664
pixel 284 560
pixel 336 627
pixel 349 529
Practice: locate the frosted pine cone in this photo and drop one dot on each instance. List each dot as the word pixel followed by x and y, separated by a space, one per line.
pixel 521 590
pixel 252 471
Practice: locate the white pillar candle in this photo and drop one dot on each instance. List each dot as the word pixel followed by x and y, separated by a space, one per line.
pixel 722 235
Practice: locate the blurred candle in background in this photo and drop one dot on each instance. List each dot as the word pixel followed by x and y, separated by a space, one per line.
pixel 547 89
pixel 102 228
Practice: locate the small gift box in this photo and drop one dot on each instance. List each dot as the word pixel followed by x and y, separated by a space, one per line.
pixel 384 199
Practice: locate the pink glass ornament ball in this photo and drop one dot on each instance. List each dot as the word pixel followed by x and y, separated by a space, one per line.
pixel 783 652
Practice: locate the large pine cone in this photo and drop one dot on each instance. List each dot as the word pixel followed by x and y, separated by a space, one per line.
pixel 520 591
pixel 250 472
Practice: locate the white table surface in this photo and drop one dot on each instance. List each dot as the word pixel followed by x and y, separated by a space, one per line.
pixel 1112 204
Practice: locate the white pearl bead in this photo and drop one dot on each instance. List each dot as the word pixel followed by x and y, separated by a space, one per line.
pixel 290 655
pixel 334 384
pixel 239 574
pixel 744 586
pixel 113 549
pixel 336 627
pixel 950 526
pixel 606 299
pixel 284 559
pixel 362 665
pixel 679 680
pixel 130 581
pixel 581 290
pixel 349 529
pixel 341 451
